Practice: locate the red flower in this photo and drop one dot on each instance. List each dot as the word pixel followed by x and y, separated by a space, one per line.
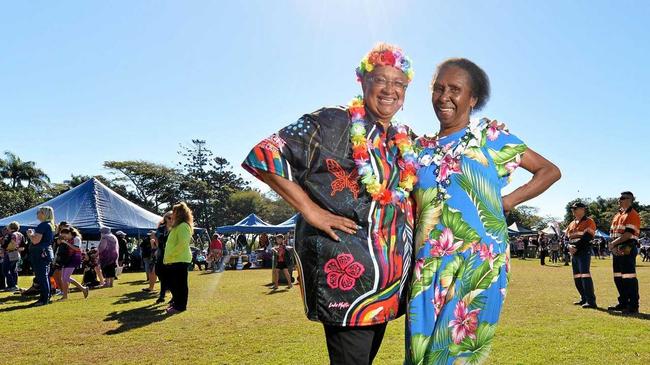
pixel 373 58
pixel 387 58
pixel 360 154
pixel 385 197
pixel 343 271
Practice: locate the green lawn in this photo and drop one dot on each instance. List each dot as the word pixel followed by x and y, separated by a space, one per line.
pixel 233 319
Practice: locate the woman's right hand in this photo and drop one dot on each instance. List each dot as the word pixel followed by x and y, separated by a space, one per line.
pixel 327 222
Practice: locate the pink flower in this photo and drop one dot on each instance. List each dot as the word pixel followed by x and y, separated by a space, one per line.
pixel 445 244
pixel 438 300
pixel 419 264
pixel 487 253
pixel 512 165
pixel 449 165
pixel 494 129
pixel 464 324
pixel 428 142
pixel 343 271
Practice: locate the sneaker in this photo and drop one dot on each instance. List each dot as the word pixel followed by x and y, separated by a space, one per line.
pixel 589 306
pixel 160 300
pixel 58 292
pixel 289 286
pixel 581 302
pixel 39 303
pixel 617 307
pixel 85 291
pixel 147 290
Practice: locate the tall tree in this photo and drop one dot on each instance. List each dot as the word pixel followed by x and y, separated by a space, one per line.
pixel 208 183
pixel 16 171
pixel 155 186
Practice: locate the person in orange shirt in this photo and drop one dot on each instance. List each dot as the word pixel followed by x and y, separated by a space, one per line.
pixel 580 232
pixel 624 231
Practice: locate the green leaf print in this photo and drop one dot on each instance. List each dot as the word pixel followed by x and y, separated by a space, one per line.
pixel 419 348
pixel 453 220
pixel 481 278
pixel 487 200
pixel 451 271
pixel 427 273
pixel 478 348
pixel 476 154
pixel 428 215
pixel 507 153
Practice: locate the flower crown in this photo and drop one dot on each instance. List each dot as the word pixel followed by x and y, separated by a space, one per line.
pixel 385 58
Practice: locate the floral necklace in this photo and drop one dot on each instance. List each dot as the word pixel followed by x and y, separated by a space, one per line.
pixel 447 157
pixel 406 162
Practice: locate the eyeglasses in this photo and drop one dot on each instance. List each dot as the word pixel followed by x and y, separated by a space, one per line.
pixel 383 82
pixel 622 198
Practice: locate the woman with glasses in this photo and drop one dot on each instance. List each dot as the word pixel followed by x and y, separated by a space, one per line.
pixel 349 171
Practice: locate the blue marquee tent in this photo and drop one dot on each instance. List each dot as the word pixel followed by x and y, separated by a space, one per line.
pixel 253 224
pixel 90 206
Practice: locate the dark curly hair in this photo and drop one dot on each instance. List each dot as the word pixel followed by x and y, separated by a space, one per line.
pixel 478 77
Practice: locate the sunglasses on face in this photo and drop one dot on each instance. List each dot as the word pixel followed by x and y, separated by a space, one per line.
pixel 622 198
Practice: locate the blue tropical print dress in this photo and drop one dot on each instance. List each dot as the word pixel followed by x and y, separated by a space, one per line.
pixel 461 244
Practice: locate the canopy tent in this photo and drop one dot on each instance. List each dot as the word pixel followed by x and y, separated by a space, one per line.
pixel 601 234
pixel 549 231
pixel 517 228
pixel 89 207
pixel 253 224
pixel 291 222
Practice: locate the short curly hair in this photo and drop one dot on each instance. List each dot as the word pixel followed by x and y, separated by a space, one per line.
pixel 479 79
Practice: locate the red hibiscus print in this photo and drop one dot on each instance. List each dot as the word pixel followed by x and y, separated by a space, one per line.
pixel 343 272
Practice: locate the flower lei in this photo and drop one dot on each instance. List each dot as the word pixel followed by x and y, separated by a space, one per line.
pixel 407 160
pixel 393 58
pixel 447 157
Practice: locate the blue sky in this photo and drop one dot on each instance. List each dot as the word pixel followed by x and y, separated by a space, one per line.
pixel 85 82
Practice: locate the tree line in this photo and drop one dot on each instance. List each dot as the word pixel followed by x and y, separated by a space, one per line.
pixel 204 181
pixel 215 193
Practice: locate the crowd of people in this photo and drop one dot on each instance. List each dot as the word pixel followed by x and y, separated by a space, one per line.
pixel 54 252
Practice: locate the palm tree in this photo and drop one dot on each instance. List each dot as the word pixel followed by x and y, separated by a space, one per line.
pixel 17 171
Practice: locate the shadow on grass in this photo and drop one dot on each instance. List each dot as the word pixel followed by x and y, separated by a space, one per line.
pixel 136 282
pixel 136 297
pixel 135 318
pixel 17 298
pixel 277 291
pixel 644 316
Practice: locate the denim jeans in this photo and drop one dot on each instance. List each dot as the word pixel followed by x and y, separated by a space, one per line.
pixel 42 274
pixel 9 270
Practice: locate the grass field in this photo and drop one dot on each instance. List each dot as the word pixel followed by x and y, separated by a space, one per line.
pixel 233 319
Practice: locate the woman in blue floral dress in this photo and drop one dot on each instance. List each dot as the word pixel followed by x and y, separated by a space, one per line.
pixel 461 243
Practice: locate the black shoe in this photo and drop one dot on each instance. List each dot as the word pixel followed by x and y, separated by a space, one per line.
pixel 630 311
pixel 39 303
pixel 589 306
pixel 581 302
pixel 160 300
pixel 617 307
